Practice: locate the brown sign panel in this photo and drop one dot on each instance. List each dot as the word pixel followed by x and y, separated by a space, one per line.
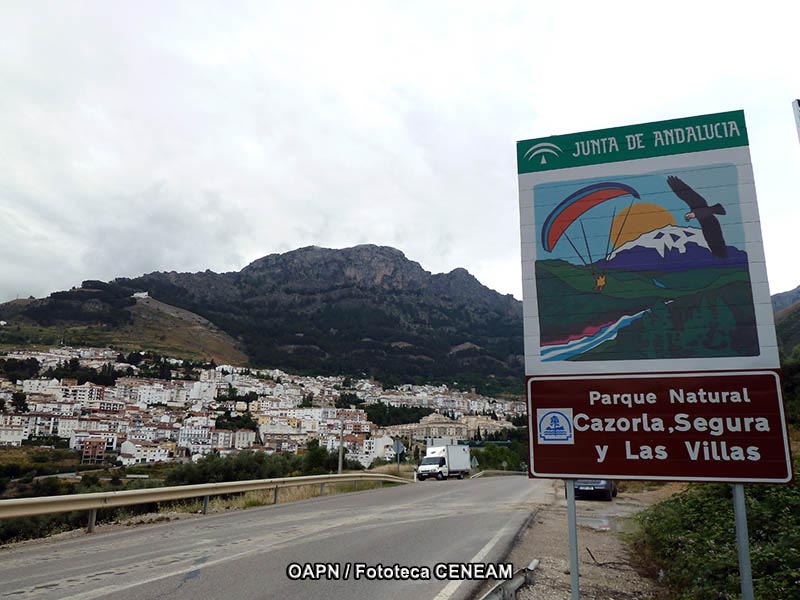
pixel 724 426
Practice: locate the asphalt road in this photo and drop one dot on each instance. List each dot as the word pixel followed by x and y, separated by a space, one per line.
pixel 245 554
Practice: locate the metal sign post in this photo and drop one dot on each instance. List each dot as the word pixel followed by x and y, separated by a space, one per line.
pixel 796 108
pixel 399 448
pixel 572 526
pixel 341 445
pixel 742 541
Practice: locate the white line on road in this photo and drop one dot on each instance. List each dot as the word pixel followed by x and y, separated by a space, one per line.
pixel 451 587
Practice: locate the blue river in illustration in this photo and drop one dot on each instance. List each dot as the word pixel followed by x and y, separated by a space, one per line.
pixel 575 347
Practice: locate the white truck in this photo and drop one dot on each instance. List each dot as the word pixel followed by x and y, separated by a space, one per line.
pixel 442 462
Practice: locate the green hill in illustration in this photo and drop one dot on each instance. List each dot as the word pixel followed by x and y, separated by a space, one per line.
pixel 702 312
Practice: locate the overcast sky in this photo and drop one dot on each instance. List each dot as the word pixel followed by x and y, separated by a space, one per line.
pixel 143 136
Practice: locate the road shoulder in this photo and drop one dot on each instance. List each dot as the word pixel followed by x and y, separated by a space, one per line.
pixel 605 561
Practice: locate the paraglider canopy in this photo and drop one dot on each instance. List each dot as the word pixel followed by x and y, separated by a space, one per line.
pixel 578 203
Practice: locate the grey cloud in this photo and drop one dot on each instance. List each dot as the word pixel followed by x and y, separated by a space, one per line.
pixel 186 136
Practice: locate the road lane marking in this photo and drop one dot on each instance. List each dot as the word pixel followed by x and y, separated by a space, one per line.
pixel 451 587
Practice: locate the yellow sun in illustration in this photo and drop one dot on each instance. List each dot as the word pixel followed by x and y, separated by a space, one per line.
pixel 639 218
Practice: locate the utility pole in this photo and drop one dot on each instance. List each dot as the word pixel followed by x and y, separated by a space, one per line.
pixel 341 443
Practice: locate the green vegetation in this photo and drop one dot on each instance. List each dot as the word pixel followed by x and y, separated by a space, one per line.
pixel 93 302
pixel 245 465
pixel 14 369
pixel 347 399
pixel 790 374
pixel 72 369
pixel 243 421
pixel 19 402
pixel 384 415
pixel 210 469
pixel 691 538
pixel 28 461
pixel 325 325
pixel 787 327
pixel 491 456
pixel 257 465
pixel 104 315
pixel 12 530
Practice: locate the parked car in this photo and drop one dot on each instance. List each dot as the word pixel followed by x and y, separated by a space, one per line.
pixel 606 489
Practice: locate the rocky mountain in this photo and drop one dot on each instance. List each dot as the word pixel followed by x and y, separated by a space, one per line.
pixel 366 309
pixel 669 249
pixel 785 299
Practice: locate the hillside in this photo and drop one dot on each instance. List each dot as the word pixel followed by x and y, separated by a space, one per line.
pixel 82 317
pixel 787 327
pixel 785 299
pixel 366 309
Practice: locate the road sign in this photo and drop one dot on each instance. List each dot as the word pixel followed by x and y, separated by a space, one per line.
pixel 650 346
pixel 725 426
pixel 474 462
pixel 399 448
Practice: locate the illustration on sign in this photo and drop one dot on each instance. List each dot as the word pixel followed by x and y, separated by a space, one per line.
pixel 651 265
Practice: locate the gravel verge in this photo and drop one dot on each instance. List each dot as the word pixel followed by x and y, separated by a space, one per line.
pixel 605 563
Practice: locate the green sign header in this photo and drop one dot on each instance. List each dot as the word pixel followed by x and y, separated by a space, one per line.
pixel 648 140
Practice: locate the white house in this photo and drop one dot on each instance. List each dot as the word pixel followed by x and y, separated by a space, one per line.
pixel 11 435
pixel 41 386
pixel 141 451
pixel 244 438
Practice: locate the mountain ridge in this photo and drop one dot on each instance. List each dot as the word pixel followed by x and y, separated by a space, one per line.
pixel 365 309
pixel 361 309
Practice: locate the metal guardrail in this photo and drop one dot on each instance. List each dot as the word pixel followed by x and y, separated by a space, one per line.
pixel 497 472
pixel 507 590
pixel 45 505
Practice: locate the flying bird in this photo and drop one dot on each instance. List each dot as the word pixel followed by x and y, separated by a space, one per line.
pixel 700 210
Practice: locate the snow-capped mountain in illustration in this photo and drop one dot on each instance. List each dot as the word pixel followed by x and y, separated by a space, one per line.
pixel 670 248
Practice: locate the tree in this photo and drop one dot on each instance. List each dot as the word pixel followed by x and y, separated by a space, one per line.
pixel 314 459
pixel 346 399
pixel 519 420
pixel 249 398
pixel 164 371
pixel 89 480
pixel 19 402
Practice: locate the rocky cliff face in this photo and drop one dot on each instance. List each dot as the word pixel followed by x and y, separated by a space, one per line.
pixel 785 299
pixel 366 309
